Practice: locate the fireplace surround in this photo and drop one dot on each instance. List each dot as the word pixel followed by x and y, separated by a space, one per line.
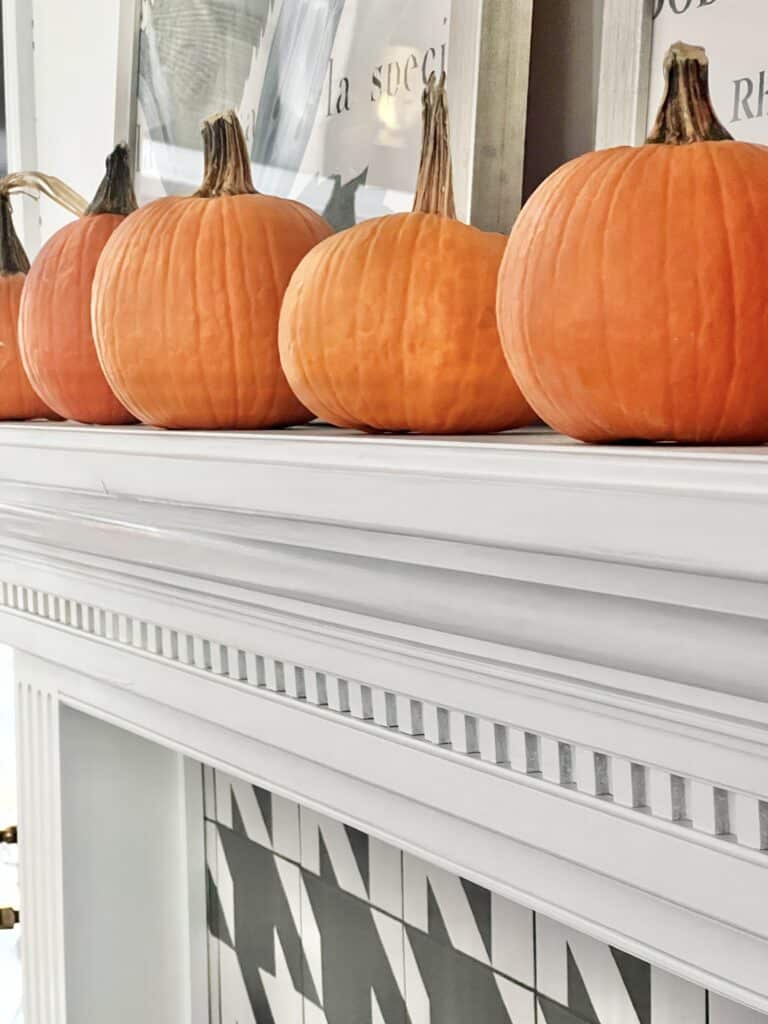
pixel 526 663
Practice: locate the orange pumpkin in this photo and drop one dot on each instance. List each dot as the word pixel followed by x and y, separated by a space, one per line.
pixel 632 298
pixel 55 318
pixel 390 325
pixel 187 297
pixel 18 400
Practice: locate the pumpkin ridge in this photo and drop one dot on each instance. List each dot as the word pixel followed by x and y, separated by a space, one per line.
pixel 666 266
pixel 697 347
pixel 306 218
pixel 170 242
pixel 532 218
pixel 118 278
pixel 554 200
pixel 723 206
pixel 572 203
pixel 227 212
pixel 105 271
pixel 628 157
pixel 614 182
pixel 266 228
pixel 169 237
pixel 203 379
pixel 170 219
pixel 736 153
pixel 240 402
pixel 406 360
pixel 323 408
pixel 334 259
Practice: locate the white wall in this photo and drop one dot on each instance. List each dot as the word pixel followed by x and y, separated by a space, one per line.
pixel 75 79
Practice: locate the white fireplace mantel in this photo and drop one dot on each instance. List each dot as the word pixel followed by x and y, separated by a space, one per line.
pixel 541 665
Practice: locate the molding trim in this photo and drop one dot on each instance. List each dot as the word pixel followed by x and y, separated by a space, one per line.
pixel 659 794
pixel 40 849
pixel 511 656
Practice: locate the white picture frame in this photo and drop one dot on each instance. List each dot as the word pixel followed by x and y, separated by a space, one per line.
pixel 489 47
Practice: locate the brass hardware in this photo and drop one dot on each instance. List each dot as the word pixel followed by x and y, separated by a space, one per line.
pixel 9 835
pixel 9 918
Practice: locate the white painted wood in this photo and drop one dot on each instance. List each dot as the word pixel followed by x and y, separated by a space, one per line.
pixel 433 808
pixel 20 112
pixel 557 597
pixel 622 110
pixel 497 141
pixel 75 76
pixel 126 89
pixel 131 892
pixel 40 846
pixel 194 911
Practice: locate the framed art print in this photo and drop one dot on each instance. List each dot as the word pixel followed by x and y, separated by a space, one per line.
pixel 329 95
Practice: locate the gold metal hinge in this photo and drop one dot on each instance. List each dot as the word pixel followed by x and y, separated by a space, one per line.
pixel 9 918
pixel 9 834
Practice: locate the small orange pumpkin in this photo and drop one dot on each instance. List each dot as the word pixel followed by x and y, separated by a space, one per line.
pixel 391 324
pixel 187 296
pixel 632 298
pixel 18 399
pixel 55 318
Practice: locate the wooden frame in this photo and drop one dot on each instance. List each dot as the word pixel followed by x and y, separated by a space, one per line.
pixel 490 48
pixel 20 123
pixel 624 73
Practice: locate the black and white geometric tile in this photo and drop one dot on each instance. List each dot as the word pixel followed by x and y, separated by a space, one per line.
pixel 314 922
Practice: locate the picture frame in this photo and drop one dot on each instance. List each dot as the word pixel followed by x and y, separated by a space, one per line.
pixel 489 52
pixel 635 35
pixel 625 68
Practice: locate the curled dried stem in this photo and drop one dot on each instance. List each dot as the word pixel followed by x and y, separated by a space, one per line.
pixel 35 183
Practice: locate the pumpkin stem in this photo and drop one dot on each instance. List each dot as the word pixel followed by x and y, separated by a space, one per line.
pixel 13 258
pixel 115 193
pixel 227 164
pixel 686 113
pixel 434 185
pixel 33 183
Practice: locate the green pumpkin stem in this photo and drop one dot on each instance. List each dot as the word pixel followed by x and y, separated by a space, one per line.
pixel 227 163
pixel 434 184
pixel 686 113
pixel 115 193
pixel 13 258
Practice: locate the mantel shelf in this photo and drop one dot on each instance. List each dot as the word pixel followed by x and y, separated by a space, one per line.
pixel 513 655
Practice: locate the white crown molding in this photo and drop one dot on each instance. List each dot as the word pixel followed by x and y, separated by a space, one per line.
pixel 530 602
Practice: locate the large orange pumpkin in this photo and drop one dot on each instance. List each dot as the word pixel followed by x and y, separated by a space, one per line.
pixel 55 319
pixel 390 325
pixel 632 298
pixel 18 399
pixel 187 297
